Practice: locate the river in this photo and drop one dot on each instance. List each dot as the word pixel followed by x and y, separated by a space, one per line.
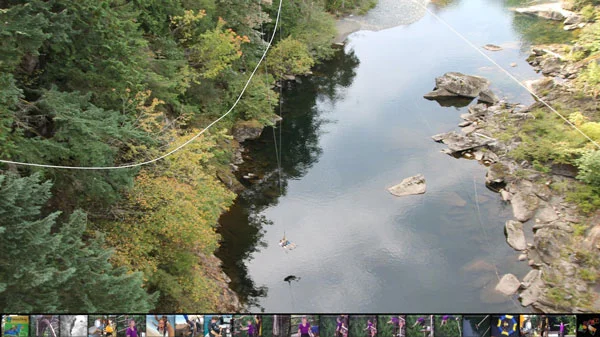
pixel 357 126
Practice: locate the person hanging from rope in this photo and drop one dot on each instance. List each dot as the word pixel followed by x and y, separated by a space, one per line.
pixel 421 322
pixel 286 244
pixel 370 329
pixel 338 326
pixel 445 319
pixel 395 321
pixel 304 329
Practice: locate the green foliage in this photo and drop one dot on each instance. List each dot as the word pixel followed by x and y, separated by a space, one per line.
pixel 290 57
pixel 348 6
pixel 588 80
pixel 102 83
pixel 588 275
pixel 589 13
pixel 590 38
pixel 48 266
pixel 579 4
pixel 589 168
pixel 450 329
pixel 586 197
pixel 547 138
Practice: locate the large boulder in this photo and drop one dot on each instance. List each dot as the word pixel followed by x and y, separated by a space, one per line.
pixel 546 213
pixel 551 11
pixel 459 143
pixel 515 236
pixel 245 130
pixel 548 244
pixel 488 96
pixel 524 205
pixel 496 173
pixel 551 65
pixel 456 84
pixel 409 186
pixel 592 241
pixel 508 285
pixel 540 86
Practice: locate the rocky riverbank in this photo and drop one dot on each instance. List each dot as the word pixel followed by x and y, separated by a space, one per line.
pixel 560 257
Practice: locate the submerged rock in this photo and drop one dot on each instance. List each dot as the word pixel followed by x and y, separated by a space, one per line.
pixel 409 186
pixel 515 237
pixel 508 285
pixel 492 47
pixel 456 84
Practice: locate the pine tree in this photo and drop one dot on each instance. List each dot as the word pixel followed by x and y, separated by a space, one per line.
pixel 47 266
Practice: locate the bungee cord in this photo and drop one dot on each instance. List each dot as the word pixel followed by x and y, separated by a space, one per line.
pixel 133 165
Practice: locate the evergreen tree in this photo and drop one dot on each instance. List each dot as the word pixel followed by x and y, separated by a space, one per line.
pixel 47 266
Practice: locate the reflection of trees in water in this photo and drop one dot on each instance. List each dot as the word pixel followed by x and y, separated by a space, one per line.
pixel 243 227
pixel 539 31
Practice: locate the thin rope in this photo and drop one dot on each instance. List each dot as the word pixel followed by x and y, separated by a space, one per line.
pixel 180 146
pixel 506 72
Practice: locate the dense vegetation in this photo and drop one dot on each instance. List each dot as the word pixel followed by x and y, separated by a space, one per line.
pixel 103 83
pixel 547 140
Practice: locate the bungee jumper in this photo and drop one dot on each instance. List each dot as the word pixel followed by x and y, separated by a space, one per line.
pixel 370 329
pixel 286 244
pixel 445 319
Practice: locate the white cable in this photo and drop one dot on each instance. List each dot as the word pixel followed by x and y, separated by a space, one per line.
pixel 507 73
pixel 180 146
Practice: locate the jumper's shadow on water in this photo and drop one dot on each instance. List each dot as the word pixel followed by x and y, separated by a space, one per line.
pixel 297 141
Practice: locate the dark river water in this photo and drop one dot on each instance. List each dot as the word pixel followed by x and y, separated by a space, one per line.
pixel 357 126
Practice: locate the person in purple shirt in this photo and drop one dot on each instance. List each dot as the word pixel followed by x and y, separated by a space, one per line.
pixel 420 321
pixel 445 319
pixel 250 329
pixel 371 330
pixel 304 328
pixel 395 321
pixel 132 329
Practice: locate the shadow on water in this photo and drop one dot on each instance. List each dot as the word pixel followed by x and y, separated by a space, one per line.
pixel 243 227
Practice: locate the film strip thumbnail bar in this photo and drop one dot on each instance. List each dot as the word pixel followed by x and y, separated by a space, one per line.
pixel 325 325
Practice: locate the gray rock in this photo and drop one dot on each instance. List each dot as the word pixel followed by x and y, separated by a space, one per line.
pixel 548 243
pixel 524 205
pixel 488 96
pixel 508 285
pixel 457 84
pixel 506 196
pixel 478 110
pixel 465 123
pixel 532 293
pixel 492 47
pixel 459 143
pixel 540 86
pixel 551 65
pixel 574 19
pixel 551 11
pixel 522 257
pixel 558 225
pixel 515 237
pixel 409 186
pixel 546 213
pixel 592 240
pixel 491 157
pixel 531 277
pixel 246 130
pixel 496 173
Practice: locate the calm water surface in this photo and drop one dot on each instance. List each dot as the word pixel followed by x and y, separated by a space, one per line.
pixel 358 126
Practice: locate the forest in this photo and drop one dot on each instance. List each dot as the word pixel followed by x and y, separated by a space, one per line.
pixel 108 83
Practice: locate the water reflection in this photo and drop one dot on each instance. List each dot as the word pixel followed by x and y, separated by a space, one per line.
pixel 243 227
